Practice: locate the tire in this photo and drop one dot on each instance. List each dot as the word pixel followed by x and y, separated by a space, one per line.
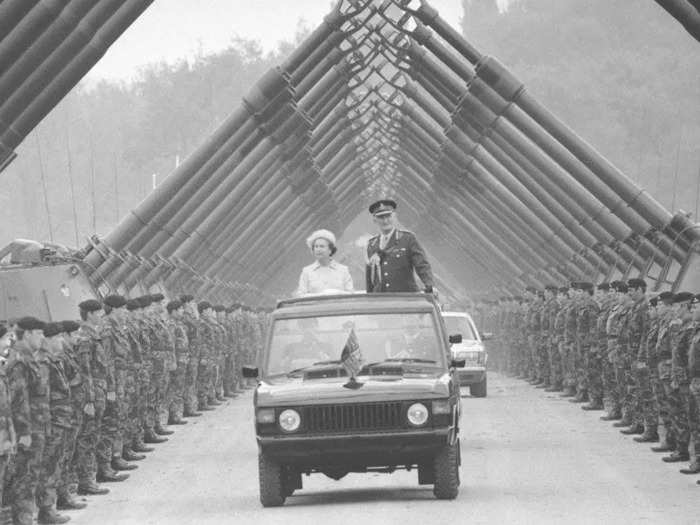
pixel 446 471
pixel 272 486
pixel 292 481
pixel 479 389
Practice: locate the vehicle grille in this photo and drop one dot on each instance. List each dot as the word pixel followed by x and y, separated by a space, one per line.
pixel 342 418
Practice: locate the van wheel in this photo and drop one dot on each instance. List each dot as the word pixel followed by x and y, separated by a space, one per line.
pixel 478 389
pixel 272 486
pixel 446 471
pixel 292 481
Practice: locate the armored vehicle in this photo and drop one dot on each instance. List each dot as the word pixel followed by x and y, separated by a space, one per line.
pixel 356 383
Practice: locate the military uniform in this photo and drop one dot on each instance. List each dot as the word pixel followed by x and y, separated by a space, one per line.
pixel 190 394
pixel 176 393
pixel 8 440
pixel 29 390
pixel 396 262
pixel 694 405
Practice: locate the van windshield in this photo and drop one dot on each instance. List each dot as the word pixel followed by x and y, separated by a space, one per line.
pixel 300 343
pixel 460 325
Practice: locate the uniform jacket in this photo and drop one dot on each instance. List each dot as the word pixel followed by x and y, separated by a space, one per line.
pixel 398 260
pixel 7 428
pixel 28 379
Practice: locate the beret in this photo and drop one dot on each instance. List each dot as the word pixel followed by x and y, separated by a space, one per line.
pixel 666 297
pixel 157 297
pixel 133 304
pixel 31 323
pixel 70 326
pixel 3 330
pixel 91 305
pixel 52 329
pixel 604 286
pixel 144 301
pixel 236 306
pixel 621 287
pixel 550 288
pixel 585 285
pixel 637 283
pixel 186 298
pixel 230 309
pixel 173 305
pixel 563 289
pixel 203 305
pixel 115 301
pixel 682 297
pixel 219 308
pixel 382 207
pixel 653 301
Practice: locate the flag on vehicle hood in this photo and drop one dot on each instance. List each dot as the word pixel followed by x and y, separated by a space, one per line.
pixel 351 358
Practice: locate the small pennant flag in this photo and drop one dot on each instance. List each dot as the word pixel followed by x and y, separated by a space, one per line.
pixel 351 358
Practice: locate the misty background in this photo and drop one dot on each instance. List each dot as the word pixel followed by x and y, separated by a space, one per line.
pixel 622 73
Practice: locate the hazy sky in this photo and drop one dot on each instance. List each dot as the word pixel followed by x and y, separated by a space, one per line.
pixel 172 29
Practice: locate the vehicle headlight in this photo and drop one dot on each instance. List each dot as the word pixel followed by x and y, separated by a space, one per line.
pixel 265 415
pixel 289 420
pixel 417 414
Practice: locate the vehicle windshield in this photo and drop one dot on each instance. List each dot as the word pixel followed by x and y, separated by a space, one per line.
pixel 460 325
pixel 399 339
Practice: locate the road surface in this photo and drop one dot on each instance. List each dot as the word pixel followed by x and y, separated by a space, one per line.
pixel 527 457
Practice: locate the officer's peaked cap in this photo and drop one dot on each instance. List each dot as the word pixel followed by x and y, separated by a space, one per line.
pixel 382 207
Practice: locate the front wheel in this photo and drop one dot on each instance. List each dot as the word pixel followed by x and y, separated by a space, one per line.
pixel 446 472
pixel 272 486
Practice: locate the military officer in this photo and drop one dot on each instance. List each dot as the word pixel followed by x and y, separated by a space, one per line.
pixel 176 387
pixel 393 255
pixel 190 318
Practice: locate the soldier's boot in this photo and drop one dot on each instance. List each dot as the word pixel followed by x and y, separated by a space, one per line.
pixel 174 419
pixel 230 393
pixel 158 429
pixel 677 456
pixel 593 405
pixel 23 513
pixel 48 515
pixel 139 446
pixel 554 388
pixel 129 455
pixel 66 501
pixel 651 435
pixel 624 422
pixel 611 416
pixel 213 401
pixel 668 444
pixel 568 392
pixel 191 413
pixel 91 488
pixel 105 474
pixel 693 468
pixel 150 437
pixel 633 429
pixel 118 463
pixel 203 405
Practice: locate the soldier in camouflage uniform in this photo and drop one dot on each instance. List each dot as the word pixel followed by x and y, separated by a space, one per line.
pixel 586 316
pixel 230 366
pixel 558 324
pixel 547 316
pixel 28 381
pixel 599 347
pixel 694 375
pixel 221 350
pixel 681 331
pixel 190 318
pixel 115 428
pixel 135 377
pixel 98 373
pixel 613 368
pixel 568 354
pixel 176 392
pixel 206 342
pixel 659 318
pixel 163 361
pixel 8 440
pixel 77 384
pixel 60 410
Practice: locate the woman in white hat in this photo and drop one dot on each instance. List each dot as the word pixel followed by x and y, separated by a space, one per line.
pixel 324 275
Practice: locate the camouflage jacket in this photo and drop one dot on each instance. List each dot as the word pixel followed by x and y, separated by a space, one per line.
pixel 192 327
pixel 60 399
pixel 586 319
pixel 115 340
pixel 178 331
pixel 7 427
pixel 206 341
pixel 682 334
pixel 636 325
pixel 694 353
pixel 96 367
pixel 28 382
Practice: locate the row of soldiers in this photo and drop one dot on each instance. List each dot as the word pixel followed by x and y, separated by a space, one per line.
pixel 613 346
pixel 81 401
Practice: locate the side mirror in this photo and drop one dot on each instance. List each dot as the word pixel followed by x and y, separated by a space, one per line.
pixel 250 372
pixel 486 336
pixel 455 339
pixel 458 363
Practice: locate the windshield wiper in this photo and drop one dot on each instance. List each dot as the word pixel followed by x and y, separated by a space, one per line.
pixel 330 362
pixel 296 371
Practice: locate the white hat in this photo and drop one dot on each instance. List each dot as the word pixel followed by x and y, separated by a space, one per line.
pixel 320 234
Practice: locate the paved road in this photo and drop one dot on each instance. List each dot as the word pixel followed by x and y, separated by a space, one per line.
pixel 527 457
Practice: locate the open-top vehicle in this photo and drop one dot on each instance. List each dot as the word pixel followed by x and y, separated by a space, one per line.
pixel 356 383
